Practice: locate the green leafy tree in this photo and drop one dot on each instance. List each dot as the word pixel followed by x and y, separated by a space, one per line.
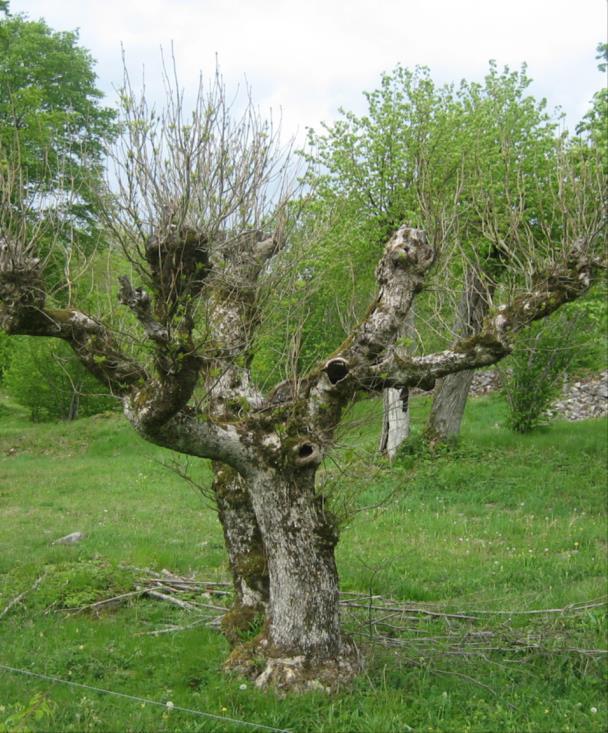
pixel 594 125
pixel 53 135
pixel 52 125
pixel 424 154
pixel 465 162
pixel 368 175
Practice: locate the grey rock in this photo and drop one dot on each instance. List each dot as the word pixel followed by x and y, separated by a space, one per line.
pixel 70 539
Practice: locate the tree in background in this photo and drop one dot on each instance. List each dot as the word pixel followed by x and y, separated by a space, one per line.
pixel 52 125
pixel 474 155
pixel 369 174
pixel 204 214
pixel 594 125
pixel 44 376
pixel 53 133
pixel 511 158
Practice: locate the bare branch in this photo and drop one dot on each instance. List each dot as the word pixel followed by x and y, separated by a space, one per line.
pixel 139 302
pixel 23 311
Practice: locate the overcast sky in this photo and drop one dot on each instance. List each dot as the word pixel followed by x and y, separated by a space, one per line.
pixel 305 59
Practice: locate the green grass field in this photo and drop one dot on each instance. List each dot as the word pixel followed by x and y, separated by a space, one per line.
pixel 497 527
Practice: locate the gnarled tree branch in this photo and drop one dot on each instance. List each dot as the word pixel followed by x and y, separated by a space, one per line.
pixel 138 301
pixel 23 311
pixel 562 284
pixel 400 275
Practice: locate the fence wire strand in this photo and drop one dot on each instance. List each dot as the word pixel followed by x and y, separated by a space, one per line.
pixel 136 698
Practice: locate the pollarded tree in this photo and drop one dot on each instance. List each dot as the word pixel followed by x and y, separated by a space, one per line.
pixel 203 215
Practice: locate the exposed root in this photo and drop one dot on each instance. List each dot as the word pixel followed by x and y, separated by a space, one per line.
pixel 295 673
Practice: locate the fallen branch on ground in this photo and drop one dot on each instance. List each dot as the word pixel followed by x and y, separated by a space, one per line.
pixel 383 621
pixel 17 599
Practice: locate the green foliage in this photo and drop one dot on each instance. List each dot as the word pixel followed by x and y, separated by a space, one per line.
pixel 424 155
pixel 45 376
pixel 52 126
pixel 594 125
pixel 532 377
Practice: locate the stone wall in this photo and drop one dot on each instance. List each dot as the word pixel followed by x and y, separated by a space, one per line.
pixel 580 400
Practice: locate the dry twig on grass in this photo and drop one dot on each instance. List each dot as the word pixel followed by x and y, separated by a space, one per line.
pixel 379 620
pixel 17 599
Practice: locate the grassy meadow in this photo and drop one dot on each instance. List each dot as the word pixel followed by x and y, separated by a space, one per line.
pixel 495 528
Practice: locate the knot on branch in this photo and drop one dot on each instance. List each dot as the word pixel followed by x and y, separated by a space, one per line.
pixel 336 369
pixel 21 289
pixel 14 258
pixel 567 280
pixel 307 454
pixel 178 256
pixel 408 249
pixel 267 247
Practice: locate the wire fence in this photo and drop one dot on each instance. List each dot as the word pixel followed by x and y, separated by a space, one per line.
pixel 147 701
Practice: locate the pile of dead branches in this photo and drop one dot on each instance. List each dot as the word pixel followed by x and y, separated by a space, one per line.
pixel 425 631
pixel 418 630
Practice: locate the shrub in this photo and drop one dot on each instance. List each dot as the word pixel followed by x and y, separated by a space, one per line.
pixel 533 376
pixel 45 376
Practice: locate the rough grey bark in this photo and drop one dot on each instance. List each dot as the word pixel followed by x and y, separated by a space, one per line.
pixel 302 642
pixel 451 392
pixel 245 549
pixel 449 402
pixel 303 607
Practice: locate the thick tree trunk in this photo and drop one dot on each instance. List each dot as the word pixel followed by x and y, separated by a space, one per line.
pixel 246 553
pixel 300 543
pixel 302 643
pixel 449 401
pixel 451 392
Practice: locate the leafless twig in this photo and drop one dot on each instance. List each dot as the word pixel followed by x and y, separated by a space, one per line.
pixel 17 599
